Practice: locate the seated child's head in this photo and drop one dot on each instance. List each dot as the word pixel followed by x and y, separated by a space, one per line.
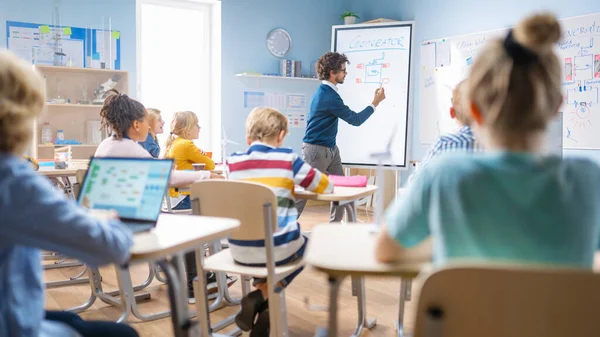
pixel 185 125
pixel 514 88
pixel 126 117
pixel 155 121
pixel 458 111
pixel 22 100
pixel 266 125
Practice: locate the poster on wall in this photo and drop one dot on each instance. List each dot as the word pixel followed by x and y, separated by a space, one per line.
pixel 293 106
pixel 64 46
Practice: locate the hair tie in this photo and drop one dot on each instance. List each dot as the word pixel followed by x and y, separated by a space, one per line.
pixel 520 54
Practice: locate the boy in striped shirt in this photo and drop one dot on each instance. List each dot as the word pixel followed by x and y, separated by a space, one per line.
pixel 281 169
pixel 461 141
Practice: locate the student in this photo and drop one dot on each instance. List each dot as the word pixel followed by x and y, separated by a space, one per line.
pixel 463 140
pixel 180 147
pixel 268 163
pixel 128 120
pixel 511 203
pixel 156 127
pixel 36 216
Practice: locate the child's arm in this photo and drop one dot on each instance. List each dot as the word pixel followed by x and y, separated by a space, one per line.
pixel 35 214
pixel 193 154
pixel 186 178
pixel 310 178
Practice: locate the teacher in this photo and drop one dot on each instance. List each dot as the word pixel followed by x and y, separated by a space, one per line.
pixel 319 147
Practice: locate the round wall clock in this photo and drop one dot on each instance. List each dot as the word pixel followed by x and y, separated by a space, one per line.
pixel 279 42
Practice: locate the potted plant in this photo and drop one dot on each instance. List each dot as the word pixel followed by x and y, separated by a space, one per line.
pixel 349 17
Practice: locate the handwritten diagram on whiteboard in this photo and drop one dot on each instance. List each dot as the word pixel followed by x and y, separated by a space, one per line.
pixel 578 52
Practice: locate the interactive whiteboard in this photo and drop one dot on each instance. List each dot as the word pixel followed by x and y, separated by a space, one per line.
pixel 379 54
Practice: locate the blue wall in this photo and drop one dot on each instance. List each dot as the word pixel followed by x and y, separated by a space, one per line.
pixel 440 18
pixel 79 13
pixel 245 25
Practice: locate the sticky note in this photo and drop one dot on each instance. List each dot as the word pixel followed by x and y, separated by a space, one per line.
pixel 115 34
pixel 67 31
pixel 45 29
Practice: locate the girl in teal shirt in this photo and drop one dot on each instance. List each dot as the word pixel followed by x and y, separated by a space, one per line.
pixel 511 203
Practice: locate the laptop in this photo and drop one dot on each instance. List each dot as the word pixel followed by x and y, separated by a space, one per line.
pixel 134 187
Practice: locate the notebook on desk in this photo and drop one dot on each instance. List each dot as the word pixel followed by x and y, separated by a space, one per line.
pixel 134 187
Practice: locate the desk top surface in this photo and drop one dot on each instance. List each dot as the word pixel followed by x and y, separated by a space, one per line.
pixel 175 233
pixel 341 250
pixel 340 193
pixel 58 172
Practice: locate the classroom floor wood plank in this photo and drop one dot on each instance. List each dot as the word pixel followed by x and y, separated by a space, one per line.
pixel 311 286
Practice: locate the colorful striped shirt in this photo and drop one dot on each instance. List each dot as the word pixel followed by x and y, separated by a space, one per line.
pixel 462 141
pixel 281 169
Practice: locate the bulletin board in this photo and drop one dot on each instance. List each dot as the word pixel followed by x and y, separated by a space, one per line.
pixel 84 47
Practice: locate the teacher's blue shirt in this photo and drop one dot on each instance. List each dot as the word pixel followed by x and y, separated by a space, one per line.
pixel 325 109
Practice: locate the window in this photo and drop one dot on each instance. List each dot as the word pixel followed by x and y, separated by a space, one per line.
pixel 179 63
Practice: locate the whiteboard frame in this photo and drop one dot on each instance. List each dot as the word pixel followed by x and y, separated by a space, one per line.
pixel 409 94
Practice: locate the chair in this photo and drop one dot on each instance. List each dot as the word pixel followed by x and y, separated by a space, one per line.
pixel 255 205
pixel 504 300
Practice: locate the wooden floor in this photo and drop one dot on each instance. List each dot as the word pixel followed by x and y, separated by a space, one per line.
pixel 310 287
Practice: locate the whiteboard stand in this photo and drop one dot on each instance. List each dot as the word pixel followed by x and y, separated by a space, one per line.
pixel 380 157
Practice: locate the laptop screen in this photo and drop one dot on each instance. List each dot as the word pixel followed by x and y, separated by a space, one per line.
pixel 134 187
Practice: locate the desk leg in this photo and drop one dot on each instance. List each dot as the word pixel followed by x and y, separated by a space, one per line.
pixel 405 294
pixel 332 326
pixel 202 309
pixel 175 273
pixel 358 286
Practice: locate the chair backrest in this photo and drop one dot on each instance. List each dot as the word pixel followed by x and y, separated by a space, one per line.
pixel 240 200
pixel 516 301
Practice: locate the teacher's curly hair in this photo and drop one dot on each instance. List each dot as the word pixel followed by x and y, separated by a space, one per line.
pixel 330 61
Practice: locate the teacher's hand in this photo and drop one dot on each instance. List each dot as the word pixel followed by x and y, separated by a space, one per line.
pixel 379 96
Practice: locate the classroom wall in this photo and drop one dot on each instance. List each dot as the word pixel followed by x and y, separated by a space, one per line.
pixel 245 25
pixel 79 13
pixel 439 18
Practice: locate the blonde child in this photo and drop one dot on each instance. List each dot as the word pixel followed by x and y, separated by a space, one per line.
pixel 180 147
pixel 280 168
pixel 36 216
pixel 511 203
pixel 156 127
pixel 461 141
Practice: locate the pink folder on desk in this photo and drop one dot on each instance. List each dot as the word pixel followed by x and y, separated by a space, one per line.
pixel 349 181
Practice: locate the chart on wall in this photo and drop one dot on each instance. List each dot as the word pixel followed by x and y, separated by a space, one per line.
pixel 379 55
pixel 76 47
pixel 293 106
pixel 445 62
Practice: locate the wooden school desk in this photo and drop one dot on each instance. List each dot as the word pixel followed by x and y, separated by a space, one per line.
pixel 347 197
pixel 340 251
pixel 60 178
pixel 166 244
pixel 341 196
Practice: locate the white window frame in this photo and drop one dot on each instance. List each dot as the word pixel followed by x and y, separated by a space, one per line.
pixel 213 35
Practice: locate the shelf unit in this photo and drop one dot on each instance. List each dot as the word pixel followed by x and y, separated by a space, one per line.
pixel 311 79
pixel 75 84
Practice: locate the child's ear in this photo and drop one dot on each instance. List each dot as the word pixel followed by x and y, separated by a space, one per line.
pixel 476 113
pixel 452 113
pixel 281 135
pixel 248 141
pixel 136 125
